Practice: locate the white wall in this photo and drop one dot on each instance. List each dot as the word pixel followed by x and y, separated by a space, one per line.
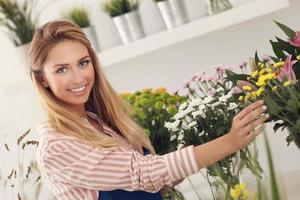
pixel 168 67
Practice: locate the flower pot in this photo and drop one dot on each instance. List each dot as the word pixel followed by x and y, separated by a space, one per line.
pixel 172 12
pixel 217 6
pixel 129 26
pixel 22 52
pixel 91 35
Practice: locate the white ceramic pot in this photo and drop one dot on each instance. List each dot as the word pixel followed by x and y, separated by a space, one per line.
pixel 129 26
pixel 172 12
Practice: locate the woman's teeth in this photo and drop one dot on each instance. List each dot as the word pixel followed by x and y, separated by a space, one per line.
pixel 78 89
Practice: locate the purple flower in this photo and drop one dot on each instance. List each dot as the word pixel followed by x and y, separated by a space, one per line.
pixel 296 40
pixel 287 70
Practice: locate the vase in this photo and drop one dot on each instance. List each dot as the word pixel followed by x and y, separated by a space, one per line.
pixel 91 35
pixel 217 6
pixel 172 12
pixel 129 26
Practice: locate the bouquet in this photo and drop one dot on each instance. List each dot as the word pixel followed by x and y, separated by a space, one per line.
pixel 276 80
pixel 207 115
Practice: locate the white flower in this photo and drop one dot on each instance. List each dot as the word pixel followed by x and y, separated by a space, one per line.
pixel 223 98
pixel 195 102
pixel 201 107
pixel 188 119
pixel 215 104
pixel 207 99
pixel 173 137
pixel 188 110
pixel 180 136
pixel 201 133
pixel 232 106
pixel 173 126
pixel 180 146
pixel 193 123
pixel 179 115
pixel 184 125
pixel 220 89
pixel 196 113
pixel 182 106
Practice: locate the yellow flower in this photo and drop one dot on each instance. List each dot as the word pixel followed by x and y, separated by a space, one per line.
pixel 234 193
pixel 124 95
pixel 298 57
pixel 261 65
pixel 239 192
pixel 160 90
pixel 262 71
pixel 247 88
pixel 254 74
pixel 247 97
pixel 269 70
pixel 286 83
pixel 278 64
pixel 241 98
pixel 259 91
pixel 263 78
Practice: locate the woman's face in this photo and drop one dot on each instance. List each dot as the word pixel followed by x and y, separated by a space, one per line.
pixel 69 73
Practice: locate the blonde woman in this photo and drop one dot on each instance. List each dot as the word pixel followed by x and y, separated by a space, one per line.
pixel 89 147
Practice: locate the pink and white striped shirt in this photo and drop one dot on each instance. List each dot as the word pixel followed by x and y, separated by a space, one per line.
pixel 74 170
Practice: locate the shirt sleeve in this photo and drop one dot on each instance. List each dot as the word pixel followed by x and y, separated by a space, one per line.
pixel 71 162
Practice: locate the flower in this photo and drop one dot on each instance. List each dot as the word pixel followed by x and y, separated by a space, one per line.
pixel 298 57
pixel 278 64
pixel 287 70
pixel 232 106
pixel 296 40
pixel 247 88
pixel 286 83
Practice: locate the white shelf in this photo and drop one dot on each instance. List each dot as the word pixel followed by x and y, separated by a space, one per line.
pixel 202 26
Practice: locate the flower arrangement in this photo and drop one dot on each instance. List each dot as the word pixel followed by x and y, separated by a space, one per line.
pixel 79 16
pixel 207 115
pixel 276 80
pixel 151 108
pixel 118 7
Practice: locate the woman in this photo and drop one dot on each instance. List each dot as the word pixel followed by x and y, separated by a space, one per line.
pixel 89 147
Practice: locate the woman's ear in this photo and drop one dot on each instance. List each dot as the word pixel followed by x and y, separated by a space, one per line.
pixel 44 82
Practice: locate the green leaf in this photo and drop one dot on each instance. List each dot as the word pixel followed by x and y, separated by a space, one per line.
pixel 256 57
pixel 277 50
pixel 287 47
pixel 234 77
pixel 277 126
pixel 288 31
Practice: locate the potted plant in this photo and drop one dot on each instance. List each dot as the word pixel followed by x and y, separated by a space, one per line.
pixel 80 17
pixel 19 24
pixel 172 12
pixel 217 6
pixel 126 18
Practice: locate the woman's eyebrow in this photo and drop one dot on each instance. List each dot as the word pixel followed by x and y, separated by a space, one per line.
pixel 65 64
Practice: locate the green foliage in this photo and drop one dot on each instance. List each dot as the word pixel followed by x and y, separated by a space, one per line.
pixel 118 7
pixel 79 16
pixel 18 20
pixel 151 108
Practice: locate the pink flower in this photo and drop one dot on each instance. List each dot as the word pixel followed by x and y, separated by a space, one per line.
pixel 287 70
pixel 236 90
pixel 194 78
pixel 296 40
pixel 186 84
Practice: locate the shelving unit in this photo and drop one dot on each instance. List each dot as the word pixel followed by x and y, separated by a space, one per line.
pixel 202 26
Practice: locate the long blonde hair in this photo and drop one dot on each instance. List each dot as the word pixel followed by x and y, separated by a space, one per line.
pixel 103 100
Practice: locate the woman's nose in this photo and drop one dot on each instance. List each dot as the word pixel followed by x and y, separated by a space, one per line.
pixel 77 76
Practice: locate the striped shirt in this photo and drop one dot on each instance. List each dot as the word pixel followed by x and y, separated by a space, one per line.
pixel 74 170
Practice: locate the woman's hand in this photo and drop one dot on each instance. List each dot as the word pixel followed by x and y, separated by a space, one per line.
pixel 247 124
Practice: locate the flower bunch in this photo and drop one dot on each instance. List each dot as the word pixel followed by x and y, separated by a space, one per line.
pixel 151 108
pixel 276 80
pixel 207 115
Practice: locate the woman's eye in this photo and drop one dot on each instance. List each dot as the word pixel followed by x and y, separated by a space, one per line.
pixel 84 63
pixel 62 70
